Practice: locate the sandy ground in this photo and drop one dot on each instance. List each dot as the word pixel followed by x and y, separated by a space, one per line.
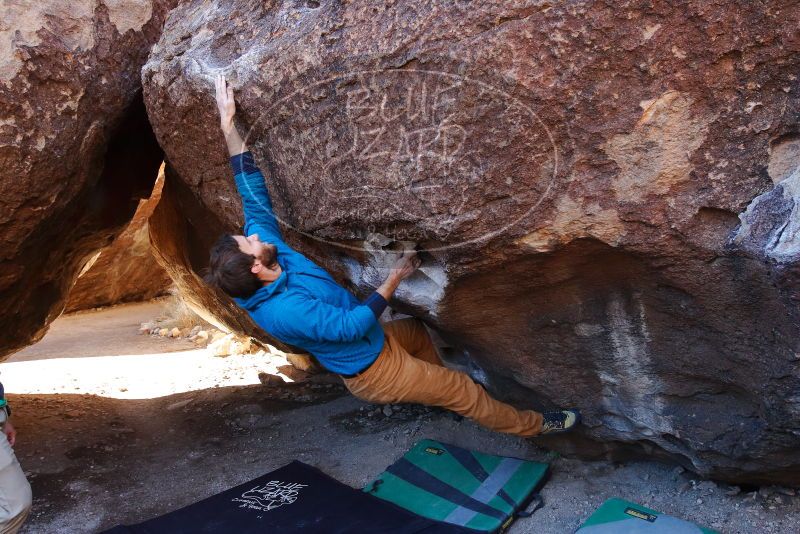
pixel 97 456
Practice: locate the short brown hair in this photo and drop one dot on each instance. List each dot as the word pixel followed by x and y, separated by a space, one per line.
pixel 229 269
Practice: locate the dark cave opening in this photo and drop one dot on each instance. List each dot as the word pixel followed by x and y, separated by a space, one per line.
pixel 65 240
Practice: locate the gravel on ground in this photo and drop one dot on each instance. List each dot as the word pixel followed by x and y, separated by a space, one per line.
pixel 95 461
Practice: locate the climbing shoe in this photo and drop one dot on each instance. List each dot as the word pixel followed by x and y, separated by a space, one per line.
pixel 560 421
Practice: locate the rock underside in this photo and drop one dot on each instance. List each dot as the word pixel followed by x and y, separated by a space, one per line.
pixel 605 196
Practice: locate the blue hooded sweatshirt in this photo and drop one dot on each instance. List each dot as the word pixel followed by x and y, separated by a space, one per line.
pixel 305 307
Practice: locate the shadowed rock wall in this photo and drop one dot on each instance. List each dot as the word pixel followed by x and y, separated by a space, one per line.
pixel 76 150
pixel 124 271
pixel 604 193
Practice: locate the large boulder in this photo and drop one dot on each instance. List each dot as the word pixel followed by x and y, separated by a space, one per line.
pixel 76 150
pixel 126 270
pixel 603 193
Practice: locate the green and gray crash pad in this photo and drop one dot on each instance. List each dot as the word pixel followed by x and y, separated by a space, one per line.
pixel 473 490
pixel 617 516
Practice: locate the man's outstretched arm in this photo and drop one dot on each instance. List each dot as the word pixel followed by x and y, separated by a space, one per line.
pixel 258 214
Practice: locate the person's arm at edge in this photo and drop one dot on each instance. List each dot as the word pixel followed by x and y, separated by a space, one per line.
pixel 8 428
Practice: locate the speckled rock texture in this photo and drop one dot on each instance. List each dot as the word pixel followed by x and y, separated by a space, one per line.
pixel 126 270
pixel 76 150
pixel 604 193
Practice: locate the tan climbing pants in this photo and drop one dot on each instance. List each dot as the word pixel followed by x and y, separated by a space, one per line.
pixel 15 492
pixel 408 369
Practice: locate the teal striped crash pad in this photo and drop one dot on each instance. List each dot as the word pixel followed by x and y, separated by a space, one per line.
pixel 617 516
pixel 470 489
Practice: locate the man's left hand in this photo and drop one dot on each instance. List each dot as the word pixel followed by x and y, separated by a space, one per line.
pixel 405 265
pixel 225 103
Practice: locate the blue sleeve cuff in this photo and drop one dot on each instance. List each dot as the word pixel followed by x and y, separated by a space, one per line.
pixel 376 303
pixel 244 163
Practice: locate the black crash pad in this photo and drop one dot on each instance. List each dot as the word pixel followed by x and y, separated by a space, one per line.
pixel 294 498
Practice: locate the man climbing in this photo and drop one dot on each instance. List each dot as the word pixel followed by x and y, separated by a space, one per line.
pixel 299 303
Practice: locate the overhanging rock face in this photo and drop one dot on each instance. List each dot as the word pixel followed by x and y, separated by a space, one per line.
pixel 584 180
